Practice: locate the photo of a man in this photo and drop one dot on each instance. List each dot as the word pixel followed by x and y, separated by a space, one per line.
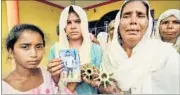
pixel 69 62
pixel 71 65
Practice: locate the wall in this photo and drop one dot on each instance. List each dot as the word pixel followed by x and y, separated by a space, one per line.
pixel 158 5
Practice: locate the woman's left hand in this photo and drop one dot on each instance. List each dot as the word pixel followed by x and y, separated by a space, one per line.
pixel 110 89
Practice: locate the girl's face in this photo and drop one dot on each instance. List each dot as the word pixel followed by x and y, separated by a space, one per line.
pixel 28 49
pixel 169 28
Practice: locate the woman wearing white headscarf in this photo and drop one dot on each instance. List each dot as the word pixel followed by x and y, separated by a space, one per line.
pixel 139 63
pixel 168 28
pixel 74 34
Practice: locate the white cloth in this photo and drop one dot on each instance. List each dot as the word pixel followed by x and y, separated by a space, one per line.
pixel 84 51
pixel 170 12
pixel 140 71
pixel 102 38
pixel 47 87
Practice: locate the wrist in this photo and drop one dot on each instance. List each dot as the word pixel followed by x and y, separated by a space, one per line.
pixel 71 86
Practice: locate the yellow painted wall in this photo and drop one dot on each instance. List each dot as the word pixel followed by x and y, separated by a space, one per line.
pixel 6 66
pixel 33 12
pixel 158 5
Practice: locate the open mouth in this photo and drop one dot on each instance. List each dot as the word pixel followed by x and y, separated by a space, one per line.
pixel 133 31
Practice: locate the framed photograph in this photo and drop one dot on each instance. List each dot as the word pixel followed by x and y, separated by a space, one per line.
pixel 71 65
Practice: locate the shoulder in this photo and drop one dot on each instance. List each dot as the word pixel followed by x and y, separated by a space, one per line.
pixel 161 46
pixel 96 50
pixel 46 75
pixel 163 54
pixel 95 46
pixel 54 46
pixel 6 88
pixel 9 80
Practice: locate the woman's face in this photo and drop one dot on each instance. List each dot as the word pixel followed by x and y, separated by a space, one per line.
pixel 73 27
pixel 169 28
pixel 134 22
pixel 28 50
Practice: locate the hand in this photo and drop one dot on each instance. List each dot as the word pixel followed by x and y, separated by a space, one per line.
pixel 93 83
pixel 72 86
pixel 110 89
pixel 55 68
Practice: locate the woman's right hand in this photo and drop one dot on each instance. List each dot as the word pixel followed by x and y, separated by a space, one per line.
pixel 55 68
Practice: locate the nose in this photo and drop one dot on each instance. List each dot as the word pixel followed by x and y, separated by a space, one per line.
pixel 170 25
pixel 133 20
pixel 33 53
pixel 73 25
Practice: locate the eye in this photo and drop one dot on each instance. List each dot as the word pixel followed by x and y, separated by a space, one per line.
pixel 25 47
pixel 141 16
pixel 78 21
pixel 165 22
pixel 176 22
pixel 39 46
pixel 126 16
pixel 68 22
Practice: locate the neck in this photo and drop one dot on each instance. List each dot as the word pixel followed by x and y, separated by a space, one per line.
pixel 75 43
pixel 24 72
pixel 128 49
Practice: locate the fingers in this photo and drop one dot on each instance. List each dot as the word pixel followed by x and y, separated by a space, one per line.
pixel 86 80
pixel 54 67
pixel 58 72
pixel 91 82
pixel 54 63
pixel 108 90
pixel 95 83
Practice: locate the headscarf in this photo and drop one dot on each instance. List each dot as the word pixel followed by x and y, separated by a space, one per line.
pixel 170 12
pixel 116 59
pixel 84 51
pixel 110 28
pixel 102 38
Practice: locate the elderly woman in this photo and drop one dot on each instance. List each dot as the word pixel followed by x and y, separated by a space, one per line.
pixel 168 28
pixel 140 64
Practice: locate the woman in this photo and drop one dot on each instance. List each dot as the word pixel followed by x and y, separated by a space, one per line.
pixel 25 45
pixel 168 28
pixel 110 31
pixel 74 34
pixel 140 64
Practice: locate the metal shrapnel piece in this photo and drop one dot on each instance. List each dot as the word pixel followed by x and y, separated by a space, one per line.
pixel 104 79
pixel 89 71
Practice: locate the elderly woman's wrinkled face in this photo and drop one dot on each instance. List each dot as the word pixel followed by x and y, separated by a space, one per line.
pixel 169 28
pixel 134 22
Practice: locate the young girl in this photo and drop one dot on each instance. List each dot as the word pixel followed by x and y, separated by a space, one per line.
pixel 25 45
